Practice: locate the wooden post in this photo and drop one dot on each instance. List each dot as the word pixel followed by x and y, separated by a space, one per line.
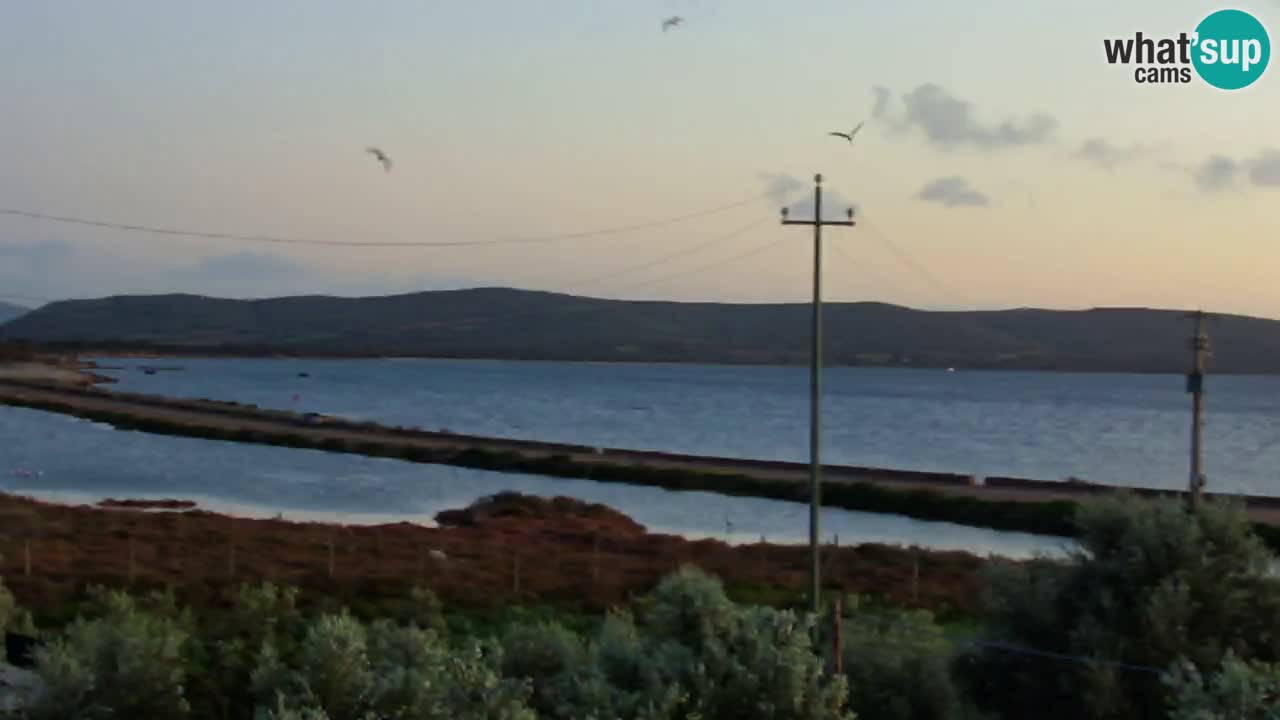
pixel 838 636
pixel 26 557
pixel 231 549
pixel 595 557
pixel 915 577
pixel 422 563
pixel 331 556
pixel 515 573
pixel 132 556
pixel 764 560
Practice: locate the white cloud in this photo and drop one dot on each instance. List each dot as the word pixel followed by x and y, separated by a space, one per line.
pixel 953 191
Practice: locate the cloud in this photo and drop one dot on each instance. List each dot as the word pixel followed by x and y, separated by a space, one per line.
pixel 1216 173
pixel 1104 154
pixel 948 122
pixel 953 191
pixel 881 107
pixel 781 187
pixel 1264 170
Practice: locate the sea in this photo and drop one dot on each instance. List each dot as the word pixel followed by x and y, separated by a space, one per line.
pixel 1110 428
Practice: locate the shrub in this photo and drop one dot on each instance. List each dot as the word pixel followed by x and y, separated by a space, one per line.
pixel 14 618
pixel 755 662
pixel 565 681
pixel 897 664
pixel 348 671
pixel 127 663
pixel 1150 584
pixel 1237 690
pixel 691 608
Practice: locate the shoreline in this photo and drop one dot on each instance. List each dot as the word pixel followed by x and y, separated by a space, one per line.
pixel 265 354
pixel 1011 504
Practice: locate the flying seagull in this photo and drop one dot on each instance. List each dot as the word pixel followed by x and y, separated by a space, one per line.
pixel 381 156
pixel 671 22
pixel 849 135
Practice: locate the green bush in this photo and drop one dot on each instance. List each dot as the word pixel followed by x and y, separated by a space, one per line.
pixel 349 671
pixel 1249 691
pixel 738 662
pixel 566 682
pixel 897 663
pixel 1151 584
pixel 12 617
pixel 126 663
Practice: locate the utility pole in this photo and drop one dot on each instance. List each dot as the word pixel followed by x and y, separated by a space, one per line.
pixel 815 389
pixel 1195 386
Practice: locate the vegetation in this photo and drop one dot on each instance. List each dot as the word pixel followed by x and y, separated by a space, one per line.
pixel 1151 588
pixel 528 325
pixel 1161 614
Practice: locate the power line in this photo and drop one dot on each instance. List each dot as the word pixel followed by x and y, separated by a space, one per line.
pixel 156 230
pixel 666 258
pixel 562 311
pixel 750 252
pixel 876 277
pixel 946 292
pixel 921 634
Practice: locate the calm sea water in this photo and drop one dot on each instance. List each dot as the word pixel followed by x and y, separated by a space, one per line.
pixel 1120 429
pixel 81 462
pixel 1127 429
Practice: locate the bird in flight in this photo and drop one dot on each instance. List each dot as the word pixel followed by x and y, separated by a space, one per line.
pixel 381 156
pixel 849 135
pixel 673 21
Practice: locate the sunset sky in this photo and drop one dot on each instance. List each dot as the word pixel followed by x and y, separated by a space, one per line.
pixel 1006 164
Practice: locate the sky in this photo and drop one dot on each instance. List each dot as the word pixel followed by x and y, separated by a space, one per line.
pixel 1003 162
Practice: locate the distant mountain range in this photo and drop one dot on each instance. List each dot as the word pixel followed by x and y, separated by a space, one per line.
pixel 529 325
pixel 9 311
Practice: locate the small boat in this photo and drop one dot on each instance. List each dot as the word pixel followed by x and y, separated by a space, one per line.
pixel 951 369
pixel 302 374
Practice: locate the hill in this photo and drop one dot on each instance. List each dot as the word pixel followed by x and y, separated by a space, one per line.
pixel 9 311
pixel 529 325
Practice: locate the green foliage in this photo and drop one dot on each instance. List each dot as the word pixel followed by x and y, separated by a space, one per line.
pixel 1238 690
pixel 738 662
pixel 897 663
pixel 12 617
pixel 7 605
pixel 1150 585
pixel 126 663
pixel 349 671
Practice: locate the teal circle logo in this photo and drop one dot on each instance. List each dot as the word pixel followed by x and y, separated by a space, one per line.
pixel 1231 49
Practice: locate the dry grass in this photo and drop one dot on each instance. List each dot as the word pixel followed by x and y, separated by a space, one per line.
pixel 520 551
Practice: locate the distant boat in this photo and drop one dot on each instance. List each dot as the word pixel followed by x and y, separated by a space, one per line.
pixel 951 369
pixel 302 374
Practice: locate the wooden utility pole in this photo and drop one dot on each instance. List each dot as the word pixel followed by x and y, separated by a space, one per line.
pixel 815 389
pixel 1195 386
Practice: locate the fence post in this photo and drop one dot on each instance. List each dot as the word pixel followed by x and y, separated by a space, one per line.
pixel 764 560
pixel 915 577
pixel 595 557
pixel 838 635
pixel 26 557
pixel 515 573
pixel 231 548
pixel 331 556
pixel 132 556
